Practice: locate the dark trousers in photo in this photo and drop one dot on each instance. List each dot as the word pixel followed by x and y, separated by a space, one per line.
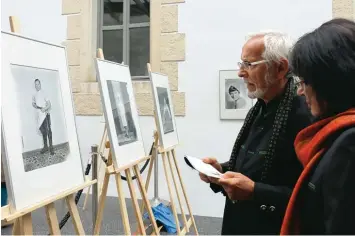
pixel 47 135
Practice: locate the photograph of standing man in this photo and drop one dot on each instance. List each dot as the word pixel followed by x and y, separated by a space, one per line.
pixel 122 114
pixel 42 105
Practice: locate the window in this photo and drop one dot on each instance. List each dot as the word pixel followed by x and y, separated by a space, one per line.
pixel 124 33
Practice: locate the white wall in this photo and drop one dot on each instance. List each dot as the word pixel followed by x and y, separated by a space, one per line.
pixel 39 19
pixel 214 39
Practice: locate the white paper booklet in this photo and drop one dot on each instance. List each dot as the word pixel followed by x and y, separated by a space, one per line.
pixel 202 167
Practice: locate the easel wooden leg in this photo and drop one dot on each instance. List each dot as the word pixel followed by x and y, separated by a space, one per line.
pixel 26 225
pixel 75 215
pixel 177 193
pixel 171 193
pixel 151 164
pixel 135 202
pixel 86 197
pixel 16 229
pixel 101 206
pixel 101 166
pixel 52 219
pixel 123 207
pixel 184 192
pixel 145 199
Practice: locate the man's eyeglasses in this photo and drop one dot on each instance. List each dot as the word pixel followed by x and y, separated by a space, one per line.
pixel 300 84
pixel 247 65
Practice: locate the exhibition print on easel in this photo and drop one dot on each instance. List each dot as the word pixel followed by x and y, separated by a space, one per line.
pixel 43 132
pixel 38 122
pixel 121 113
pixel 164 110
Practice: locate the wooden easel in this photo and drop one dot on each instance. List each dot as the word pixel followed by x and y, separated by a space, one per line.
pixel 112 170
pixel 23 219
pixel 168 164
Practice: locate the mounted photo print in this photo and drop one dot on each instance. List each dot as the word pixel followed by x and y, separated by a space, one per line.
pixel 234 101
pixel 120 113
pixel 38 121
pixel 40 86
pixel 164 110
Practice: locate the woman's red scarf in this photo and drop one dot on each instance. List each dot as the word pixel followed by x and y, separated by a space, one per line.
pixel 309 146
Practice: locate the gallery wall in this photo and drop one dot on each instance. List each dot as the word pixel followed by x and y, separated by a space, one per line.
pixel 40 19
pixel 214 37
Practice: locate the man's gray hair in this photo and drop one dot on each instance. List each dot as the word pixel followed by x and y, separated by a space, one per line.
pixel 277 44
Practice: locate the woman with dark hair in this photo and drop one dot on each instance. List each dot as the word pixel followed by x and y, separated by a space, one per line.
pixel 323 200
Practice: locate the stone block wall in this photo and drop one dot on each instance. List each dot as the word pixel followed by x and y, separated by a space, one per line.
pixel 166 52
pixel 167 49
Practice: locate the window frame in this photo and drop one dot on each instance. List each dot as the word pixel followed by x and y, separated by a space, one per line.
pixel 126 26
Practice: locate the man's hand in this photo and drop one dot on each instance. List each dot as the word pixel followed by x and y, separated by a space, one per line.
pixel 34 105
pixel 213 162
pixel 237 186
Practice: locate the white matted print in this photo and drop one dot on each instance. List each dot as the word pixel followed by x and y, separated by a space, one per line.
pixel 38 121
pixel 44 135
pixel 120 113
pixel 234 100
pixel 164 110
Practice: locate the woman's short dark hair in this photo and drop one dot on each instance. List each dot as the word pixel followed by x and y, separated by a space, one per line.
pixel 325 60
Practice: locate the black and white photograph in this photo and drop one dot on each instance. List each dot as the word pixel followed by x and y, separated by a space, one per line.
pixel 165 110
pixel 164 107
pixel 121 109
pixel 43 128
pixel 235 94
pixel 234 100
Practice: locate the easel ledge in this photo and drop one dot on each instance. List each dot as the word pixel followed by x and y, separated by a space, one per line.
pixel 7 216
pixel 111 169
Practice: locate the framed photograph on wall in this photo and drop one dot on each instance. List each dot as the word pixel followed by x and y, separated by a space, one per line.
pixel 38 121
pixel 121 113
pixel 165 116
pixel 234 102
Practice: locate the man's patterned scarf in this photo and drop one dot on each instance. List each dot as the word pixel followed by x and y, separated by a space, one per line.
pixel 278 128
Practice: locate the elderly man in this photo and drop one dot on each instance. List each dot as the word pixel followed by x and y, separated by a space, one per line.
pixel 263 168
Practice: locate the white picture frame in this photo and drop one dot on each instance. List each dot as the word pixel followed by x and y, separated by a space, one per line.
pixel 164 110
pixel 230 88
pixel 121 113
pixel 37 111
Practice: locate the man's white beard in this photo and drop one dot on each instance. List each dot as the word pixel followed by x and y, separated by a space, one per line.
pixel 260 92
